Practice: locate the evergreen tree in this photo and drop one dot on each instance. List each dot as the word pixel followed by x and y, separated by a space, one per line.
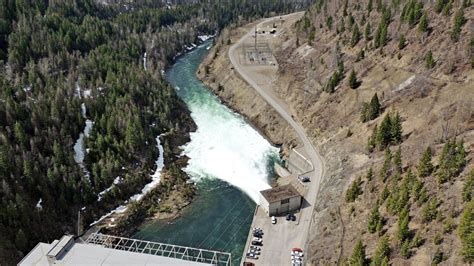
pixel 368 32
pixel 458 22
pixel 452 160
pixel 20 240
pixel 358 255
pixel 423 26
pixel 429 61
pixel 430 210
pixel 405 249
pixel 382 252
pixel 403 231
pixel 369 7
pixel 468 188
pixel 384 134
pixel 370 174
pixel 353 82
pixel 355 35
pixel 354 190
pixel 466 232
pixel 402 42
pixel 396 129
pixel 439 5
pixel 375 107
pixel 374 219
pixel 425 167
pixel 397 161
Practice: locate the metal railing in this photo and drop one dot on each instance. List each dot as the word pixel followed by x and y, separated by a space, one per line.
pixel 161 249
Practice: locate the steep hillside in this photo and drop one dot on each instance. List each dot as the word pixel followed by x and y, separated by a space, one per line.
pixel 377 97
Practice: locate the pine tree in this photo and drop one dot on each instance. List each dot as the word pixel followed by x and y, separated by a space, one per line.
pixel 354 190
pixel 355 35
pixel 403 231
pixel 384 134
pixel 397 160
pixel 429 61
pixel 459 21
pixel 382 252
pixel 370 174
pixel 430 210
pixel 405 249
pixel 452 160
pixel 396 129
pixel 358 255
pixel 368 32
pixel 423 26
pixel 466 232
pixel 439 5
pixel 425 167
pixel 402 42
pixel 375 107
pixel 468 188
pixel 384 172
pixel 20 240
pixel 353 82
pixel 369 7
pixel 374 218
pixel 372 140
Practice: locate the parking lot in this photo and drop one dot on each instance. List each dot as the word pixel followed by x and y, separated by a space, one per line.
pixel 278 239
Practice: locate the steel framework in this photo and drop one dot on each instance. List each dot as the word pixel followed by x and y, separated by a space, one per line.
pixel 161 249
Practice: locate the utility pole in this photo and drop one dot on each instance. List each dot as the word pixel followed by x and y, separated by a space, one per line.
pixel 79 223
pixel 256 38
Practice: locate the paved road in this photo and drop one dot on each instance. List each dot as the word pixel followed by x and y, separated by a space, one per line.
pixel 280 238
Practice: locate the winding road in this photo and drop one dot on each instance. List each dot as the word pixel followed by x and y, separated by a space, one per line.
pixel 276 250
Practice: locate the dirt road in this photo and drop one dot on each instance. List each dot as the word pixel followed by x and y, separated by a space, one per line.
pixel 280 238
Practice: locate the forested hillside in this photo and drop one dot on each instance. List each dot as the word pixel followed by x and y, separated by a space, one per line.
pixel 65 62
pixel 399 74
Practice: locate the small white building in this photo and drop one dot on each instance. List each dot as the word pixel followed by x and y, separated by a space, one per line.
pixel 280 200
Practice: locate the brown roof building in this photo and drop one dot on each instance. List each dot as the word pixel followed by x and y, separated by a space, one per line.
pixel 280 200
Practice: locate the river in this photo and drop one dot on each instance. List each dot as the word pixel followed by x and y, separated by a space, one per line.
pixel 229 161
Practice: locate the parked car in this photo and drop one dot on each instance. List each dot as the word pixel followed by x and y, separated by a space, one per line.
pixel 257 239
pixel 255 248
pixel 256 252
pixel 304 179
pixel 256 243
pixel 290 217
pixel 257 235
pixel 274 220
pixel 249 264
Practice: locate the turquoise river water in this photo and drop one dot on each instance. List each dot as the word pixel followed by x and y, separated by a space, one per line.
pixel 229 161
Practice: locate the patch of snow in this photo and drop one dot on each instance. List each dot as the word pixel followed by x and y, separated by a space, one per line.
pixel 87 93
pixel 155 178
pixel 204 38
pixel 144 61
pixel 38 205
pixel 117 180
pixel 27 88
pixel 78 90
pixel 83 110
pixel 406 83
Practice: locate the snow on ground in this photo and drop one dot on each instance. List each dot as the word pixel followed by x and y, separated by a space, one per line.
pixel 117 181
pixel 406 83
pixel 155 180
pixel 38 205
pixel 204 38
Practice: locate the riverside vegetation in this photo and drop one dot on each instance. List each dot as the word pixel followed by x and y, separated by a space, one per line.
pixel 58 55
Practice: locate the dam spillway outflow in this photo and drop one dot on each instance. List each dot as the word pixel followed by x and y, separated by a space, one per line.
pixel 229 161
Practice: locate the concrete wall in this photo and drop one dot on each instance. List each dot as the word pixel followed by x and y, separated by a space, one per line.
pixel 264 203
pixel 276 208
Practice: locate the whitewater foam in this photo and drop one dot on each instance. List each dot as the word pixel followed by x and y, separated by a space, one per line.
pixel 224 146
